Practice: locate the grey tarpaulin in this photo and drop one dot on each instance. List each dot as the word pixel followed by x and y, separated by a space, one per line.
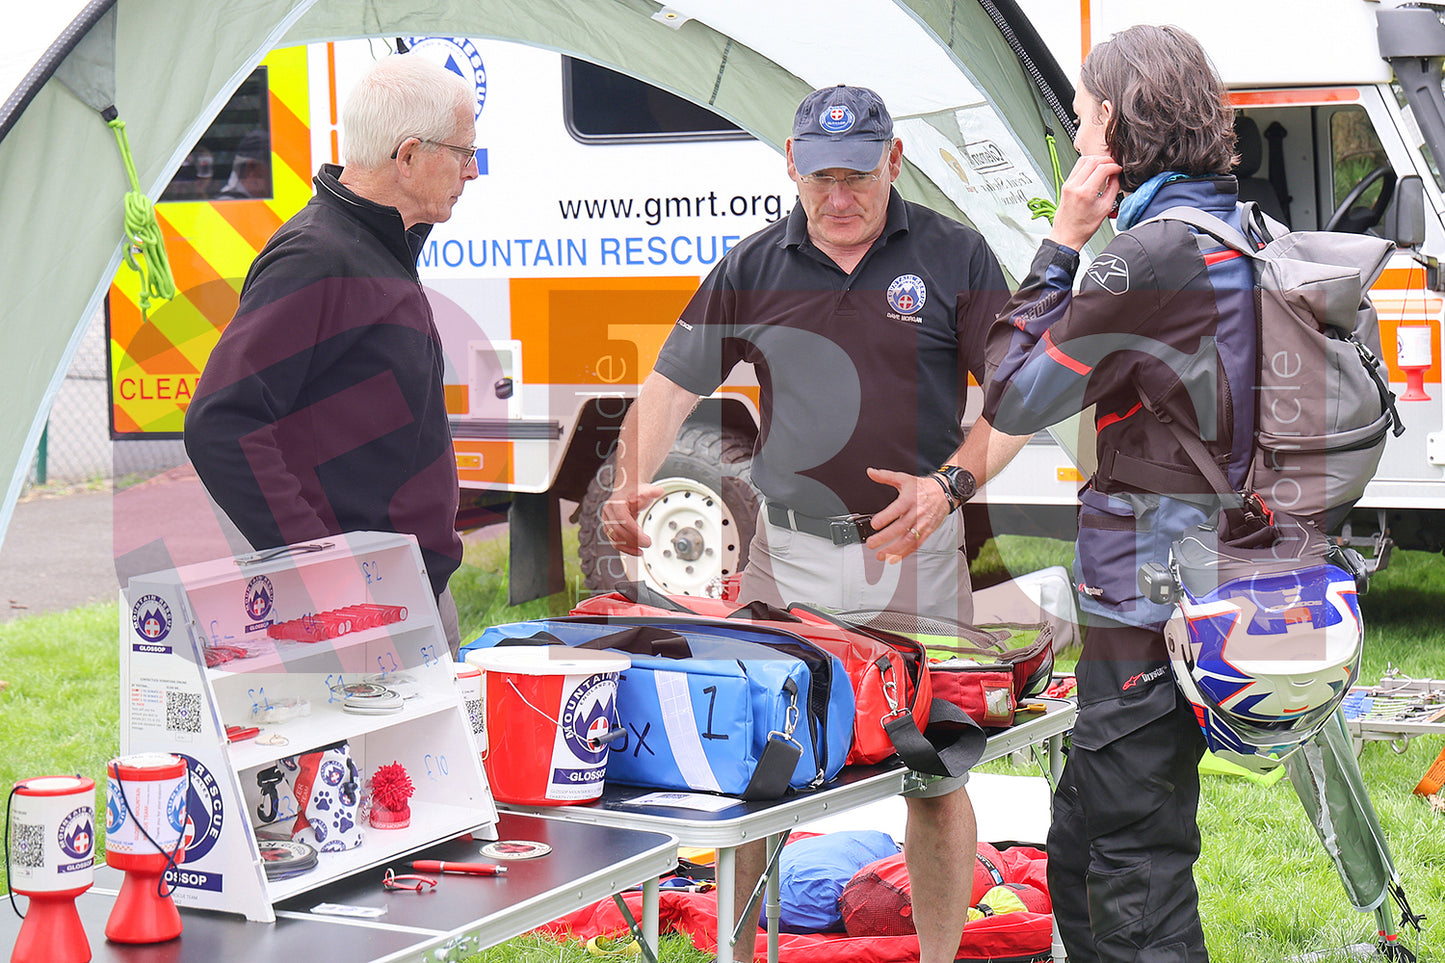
pixel 89 70
pixel 1326 777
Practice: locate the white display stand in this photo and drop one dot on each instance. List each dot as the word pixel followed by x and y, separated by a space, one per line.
pixel 171 702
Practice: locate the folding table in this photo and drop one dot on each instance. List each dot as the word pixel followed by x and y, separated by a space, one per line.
pixel 745 822
pixel 460 917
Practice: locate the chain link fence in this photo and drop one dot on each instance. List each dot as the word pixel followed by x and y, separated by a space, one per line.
pixel 76 447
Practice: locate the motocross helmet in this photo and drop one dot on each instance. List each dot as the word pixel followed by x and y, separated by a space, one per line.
pixel 1264 649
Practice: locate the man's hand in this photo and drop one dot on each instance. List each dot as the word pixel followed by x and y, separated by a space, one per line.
pixel 914 515
pixel 619 518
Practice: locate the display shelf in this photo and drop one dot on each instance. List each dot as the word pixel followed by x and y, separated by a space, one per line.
pixel 382 846
pixel 325 725
pixel 172 702
pixel 355 651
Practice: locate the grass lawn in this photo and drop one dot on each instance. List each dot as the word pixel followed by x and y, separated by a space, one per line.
pixel 1268 892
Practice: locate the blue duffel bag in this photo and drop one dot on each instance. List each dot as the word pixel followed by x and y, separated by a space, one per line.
pixel 712 706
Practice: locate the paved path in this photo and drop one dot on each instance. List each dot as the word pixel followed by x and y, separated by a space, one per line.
pixel 56 555
pixel 62 551
pixel 65 550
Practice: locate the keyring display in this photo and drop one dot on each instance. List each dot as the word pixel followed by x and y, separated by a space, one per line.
pixel 418 884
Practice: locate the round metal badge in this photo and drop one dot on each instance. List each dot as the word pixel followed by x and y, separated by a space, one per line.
pixel 515 849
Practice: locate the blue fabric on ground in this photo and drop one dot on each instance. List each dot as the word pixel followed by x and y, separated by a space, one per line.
pixel 812 873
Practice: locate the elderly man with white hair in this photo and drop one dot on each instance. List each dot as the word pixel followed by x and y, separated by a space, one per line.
pixel 321 409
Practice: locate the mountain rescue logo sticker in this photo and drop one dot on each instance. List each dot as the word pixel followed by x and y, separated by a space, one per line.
pixel 151 618
pixel 1110 272
pixel 837 119
pixel 460 56
pixel 259 597
pixel 907 295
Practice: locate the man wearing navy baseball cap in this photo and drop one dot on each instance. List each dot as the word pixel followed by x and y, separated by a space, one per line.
pixel 840 127
pixel 864 315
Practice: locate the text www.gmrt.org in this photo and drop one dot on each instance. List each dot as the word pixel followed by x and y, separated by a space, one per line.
pixel 653 210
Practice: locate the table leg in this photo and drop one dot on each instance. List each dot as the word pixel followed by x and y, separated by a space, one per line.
pixel 774 899
pixel 1056 769
pixel 650 914
pixel 726 914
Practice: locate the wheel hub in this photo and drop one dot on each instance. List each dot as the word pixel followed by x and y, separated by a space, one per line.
pixel 694 539
pixel 688 544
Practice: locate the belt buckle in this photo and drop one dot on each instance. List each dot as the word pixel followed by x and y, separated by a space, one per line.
pixel 851 529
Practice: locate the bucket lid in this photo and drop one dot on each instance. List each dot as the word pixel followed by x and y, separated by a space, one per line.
pixel 146 765
pixel 547 660
pixel 465 670
pixel 54 786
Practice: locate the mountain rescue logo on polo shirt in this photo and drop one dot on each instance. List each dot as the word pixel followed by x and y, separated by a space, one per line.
pixel 907 295
pixel 837 119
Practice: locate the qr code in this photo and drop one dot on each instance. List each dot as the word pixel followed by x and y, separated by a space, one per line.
pixel 474 713
pixel 27 845
pixel 183 711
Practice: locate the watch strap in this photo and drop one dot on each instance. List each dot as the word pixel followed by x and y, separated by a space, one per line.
pixel 948 494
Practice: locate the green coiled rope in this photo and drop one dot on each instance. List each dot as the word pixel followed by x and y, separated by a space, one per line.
pixel 145 250
pixel 1042 206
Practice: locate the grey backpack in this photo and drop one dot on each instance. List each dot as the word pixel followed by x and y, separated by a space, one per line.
pixel 1323 403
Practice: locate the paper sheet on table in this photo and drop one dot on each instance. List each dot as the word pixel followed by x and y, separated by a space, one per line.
pixel 685 800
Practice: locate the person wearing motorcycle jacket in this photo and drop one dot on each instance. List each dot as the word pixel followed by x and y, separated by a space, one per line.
pixel 1162 327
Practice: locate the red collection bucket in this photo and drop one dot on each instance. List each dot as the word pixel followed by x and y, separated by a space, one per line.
pixel 145 826
pixel 56 855
pixel 52 844
pixel 548 711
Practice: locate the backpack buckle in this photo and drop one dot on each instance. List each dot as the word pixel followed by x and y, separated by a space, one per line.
pixel 1256 510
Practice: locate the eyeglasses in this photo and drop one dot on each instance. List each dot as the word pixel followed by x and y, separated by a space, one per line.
pixel 854 182
pixel 466 153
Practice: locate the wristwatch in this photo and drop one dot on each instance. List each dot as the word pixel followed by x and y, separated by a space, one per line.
pixel 960 483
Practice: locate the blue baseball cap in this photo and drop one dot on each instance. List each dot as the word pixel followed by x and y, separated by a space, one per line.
pixel 840 126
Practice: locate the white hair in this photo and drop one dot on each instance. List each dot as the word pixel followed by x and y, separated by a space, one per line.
pixel 401 96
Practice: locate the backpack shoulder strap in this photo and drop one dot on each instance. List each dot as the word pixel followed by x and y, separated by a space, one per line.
pixel 1213 226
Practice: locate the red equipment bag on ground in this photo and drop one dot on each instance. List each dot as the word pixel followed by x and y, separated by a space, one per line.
pixel 1022 936
pixel 877 902
pixel 892 685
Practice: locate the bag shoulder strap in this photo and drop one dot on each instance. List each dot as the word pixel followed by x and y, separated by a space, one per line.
pixel 1213 226
pixel 1193 446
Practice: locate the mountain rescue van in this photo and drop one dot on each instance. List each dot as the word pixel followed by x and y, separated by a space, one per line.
pixel 601 203
pixel 1341 122
pixel 603 200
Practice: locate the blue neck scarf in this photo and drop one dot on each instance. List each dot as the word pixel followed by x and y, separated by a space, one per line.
pixel 1133 206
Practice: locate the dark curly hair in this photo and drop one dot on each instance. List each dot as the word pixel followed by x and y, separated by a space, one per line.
pixel 1170 109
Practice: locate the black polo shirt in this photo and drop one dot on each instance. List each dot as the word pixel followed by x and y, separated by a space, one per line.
pixel 860 370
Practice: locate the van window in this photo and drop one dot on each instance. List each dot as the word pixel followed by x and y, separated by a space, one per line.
pixel 232 160
pixel 602 105
pixel 1355 151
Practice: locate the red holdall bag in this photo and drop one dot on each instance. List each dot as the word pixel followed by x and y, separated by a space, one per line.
pixel 877 903
pixel 984 692
pixel 892 686
pixel 988 671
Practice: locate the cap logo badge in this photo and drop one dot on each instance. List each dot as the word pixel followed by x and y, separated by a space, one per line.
pixel 907 294
pixel 837 119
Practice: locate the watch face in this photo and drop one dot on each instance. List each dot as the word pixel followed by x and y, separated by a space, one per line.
pixel 964 484
pixel 961 480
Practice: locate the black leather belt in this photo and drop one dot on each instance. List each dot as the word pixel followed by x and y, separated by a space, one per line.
pixel 839 529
